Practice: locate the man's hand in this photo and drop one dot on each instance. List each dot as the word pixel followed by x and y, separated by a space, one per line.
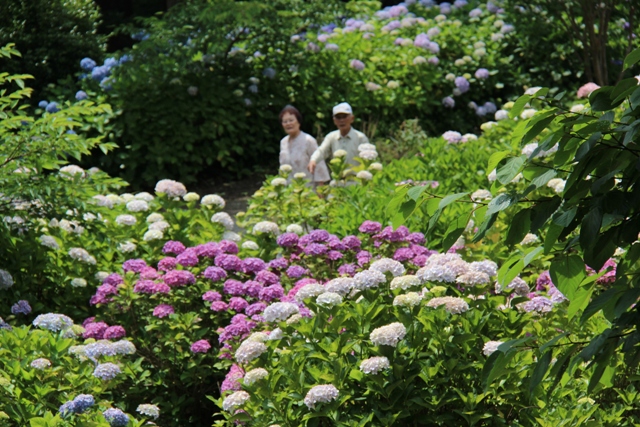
pixel 312 166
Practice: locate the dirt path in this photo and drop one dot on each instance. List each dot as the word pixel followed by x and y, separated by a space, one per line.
pixel 235 193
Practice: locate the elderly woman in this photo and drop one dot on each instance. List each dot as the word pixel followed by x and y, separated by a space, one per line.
pixel 297 147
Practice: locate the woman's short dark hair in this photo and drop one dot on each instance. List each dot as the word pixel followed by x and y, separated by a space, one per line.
pixel 291 110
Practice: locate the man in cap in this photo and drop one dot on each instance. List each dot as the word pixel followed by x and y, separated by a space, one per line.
pixel 345 138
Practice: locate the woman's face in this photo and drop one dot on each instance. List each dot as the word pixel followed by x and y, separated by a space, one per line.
pixel 290 124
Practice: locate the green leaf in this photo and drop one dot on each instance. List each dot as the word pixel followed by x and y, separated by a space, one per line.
pixel 519 105
pixel 500 203
pixel 567 273
pixel 540 370
pixel 539 126
pixel 415 192
pixel 632 58
pixel 446 201
pixel 519 227
pixel 454 231
pixel 509 171
pixel 407 208
pixel 495 159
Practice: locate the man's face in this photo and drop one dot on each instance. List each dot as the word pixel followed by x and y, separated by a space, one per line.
pixel 343 122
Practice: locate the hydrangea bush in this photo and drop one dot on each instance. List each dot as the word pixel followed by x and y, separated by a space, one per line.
pixel 50 377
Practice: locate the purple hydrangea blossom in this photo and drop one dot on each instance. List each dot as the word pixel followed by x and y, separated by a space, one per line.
pixel 228 247
pixel 21 307
pixel 94 330
pixel 179 278
pixel 335 243
pixel 271 293
pixel 188 258
pixel 114 333
pixel 347 269
pixel 252 288
pixel 296 271
pixel 173 247
pixel 167 264
pixel 233 287
pixel 114 279
pixel 215 273
pixel 151 287
pixel 403 254
pixel 267 278
pixel 287 240
pixel 253 265
pixel 209 250
pixel 315 249
pixel 212 296
pixel 363 257
pixel 334 255
pixel 462 84
pixel 351 242
pixel 255 308
pixel 278 263
pixel 229 262
pixel 422 41
pixel 149 273
pixel 357 65
pixel 416 238
pixel 135 265
pixel 219 306
pixel 163 310
pixel 482 73
pixel 544 281
pixel 370 227
pixel 232 379
pixel 448 102
pixel 201 346
pixel 319 236
pixel 238 304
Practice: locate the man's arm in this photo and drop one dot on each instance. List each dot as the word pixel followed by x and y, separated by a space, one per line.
pixel 321 153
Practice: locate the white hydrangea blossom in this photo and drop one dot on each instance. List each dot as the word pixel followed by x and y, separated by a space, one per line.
pixel 72 170
pixel 388 335
pixel 152 235
pixel 136 205
pixel 149 410
pixel 557 185
pixel 41 363
pixel 235 400
pixel 101 275
pixel 491 347
pixel 368 279
pixel 294 228
pixel 374 365
pixel 78 282
pixel 519 286
pixel 171 188
pixel 473 278
pixel 300 175
pixel 329 299
pixel 339 153
pixel 436 273
pixel 126 219
pixel 286 168
pixel 49 242
pixel 529 239
pixel 250 245
pixel 114 199
pixel 231 235
pixel 453 305
pixel 213 200
pixel 375 166
pixel 155 217
pixel 257 337
pixel 366 147
pixel 126 247
pixel 223 219
pixel 480 195
pixel 368 154
pixel 80 254
pixel 294 319
pixel 266 227
pixel 191 197
pixel 279 311
pixel 159 226
pixel 578 108
pixel 320 394
pixel 255 375
pixel 276 334
pixel 279 182
pixel 144 196
pixel 340 285
pixel 405 282
pixel 127 197
pixel 250 350
pixel 486 266
pixel 528 113
pixel 309 291
pixel 384 265
pixel 364 175
pixel 53 322
pixel 410 299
